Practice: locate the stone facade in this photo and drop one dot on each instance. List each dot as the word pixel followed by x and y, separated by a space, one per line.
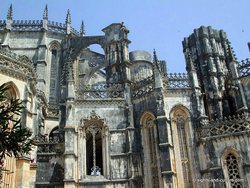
pixel 118 118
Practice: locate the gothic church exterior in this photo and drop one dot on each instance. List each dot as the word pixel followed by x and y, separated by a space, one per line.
pixel 119 119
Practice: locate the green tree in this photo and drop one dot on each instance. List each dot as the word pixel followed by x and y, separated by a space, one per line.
pixel 14 137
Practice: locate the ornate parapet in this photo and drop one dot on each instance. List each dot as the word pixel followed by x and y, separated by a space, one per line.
pixel 244 68
pixel 143 87
pixel 16 66
pixel 27 25
pixel 52 145
pixel 177 81
pixel 100 91
pixel 56 27
pixel 229 126
pixel 37 25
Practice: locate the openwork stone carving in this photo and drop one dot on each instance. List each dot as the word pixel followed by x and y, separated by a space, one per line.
pixel 100 91
pixel 19 66
pixel 233 170
pixel 143 87
pixel 231 125
pixel 37 25
pixel 177 81
pixel 244 68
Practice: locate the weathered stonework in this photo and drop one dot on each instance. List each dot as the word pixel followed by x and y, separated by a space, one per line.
pixel 119 119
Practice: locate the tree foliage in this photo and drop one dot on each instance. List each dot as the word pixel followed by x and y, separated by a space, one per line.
pixel 14 137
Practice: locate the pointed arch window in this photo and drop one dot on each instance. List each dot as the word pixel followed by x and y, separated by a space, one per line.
pixel 93 147
pixel 181 131
pixel 149 142
pixel 232 170
pixel 94 160
pixel 182 137
pixel 54 68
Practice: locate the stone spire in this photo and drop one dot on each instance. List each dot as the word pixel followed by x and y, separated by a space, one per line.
pixel 10 13
pixel 45 13
pixel 155 59
pixel 68 22
pixel 68 18
pixel 82 29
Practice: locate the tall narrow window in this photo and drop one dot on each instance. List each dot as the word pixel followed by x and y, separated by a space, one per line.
pixel 93 147
pixel 180 123
pixel 150 151
pixel 94 151
pixel 53 76
pixel 55 54
pixel 181 131
pixel 233 171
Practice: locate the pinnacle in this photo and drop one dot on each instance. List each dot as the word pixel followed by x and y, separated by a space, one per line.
pixel 10 13
pixel 45 13
pixel 82 29
pixel 68 17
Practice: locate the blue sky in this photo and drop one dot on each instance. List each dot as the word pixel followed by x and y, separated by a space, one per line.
pixel 159 24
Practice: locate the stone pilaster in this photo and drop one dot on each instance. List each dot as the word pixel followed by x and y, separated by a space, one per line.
pixel 23 172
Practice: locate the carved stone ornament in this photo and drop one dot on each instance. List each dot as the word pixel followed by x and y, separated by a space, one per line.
pixel 19 67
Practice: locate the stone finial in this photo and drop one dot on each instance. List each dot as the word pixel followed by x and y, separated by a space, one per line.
pixel 68 17
pixel 155 59
pixel 10 13
pixel 45 13
pixel 82 29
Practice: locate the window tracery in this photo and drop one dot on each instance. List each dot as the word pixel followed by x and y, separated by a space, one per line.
pixel 150 150
pixel 182 137
pixel 181 130
pixel 233 171
pixel 93 147
pixel 55 54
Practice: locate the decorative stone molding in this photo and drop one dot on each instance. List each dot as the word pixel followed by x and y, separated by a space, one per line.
pixel 37 25
pixel 244 68
pixel 177 81
pixel 231 125
pixel 143 87
pixel 100 91
pixel 16 66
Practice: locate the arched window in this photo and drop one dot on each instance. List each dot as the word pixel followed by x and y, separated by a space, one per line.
pixel 150 150
pixel 93 147
pixel 231 168
pixel 180 129
pixel 54 68
pixel 233 171
pixel 182 137
pixel 9 162
pixel 94 150
pixel 12 91
pixel 54 134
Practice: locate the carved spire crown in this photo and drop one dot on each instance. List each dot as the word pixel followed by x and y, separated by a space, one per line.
pixel 45 13
pixel 10 13
pixel 68 17
pixel 155 59
pixel 82 29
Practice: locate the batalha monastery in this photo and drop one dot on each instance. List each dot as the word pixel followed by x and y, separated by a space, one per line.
pixel 118 119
